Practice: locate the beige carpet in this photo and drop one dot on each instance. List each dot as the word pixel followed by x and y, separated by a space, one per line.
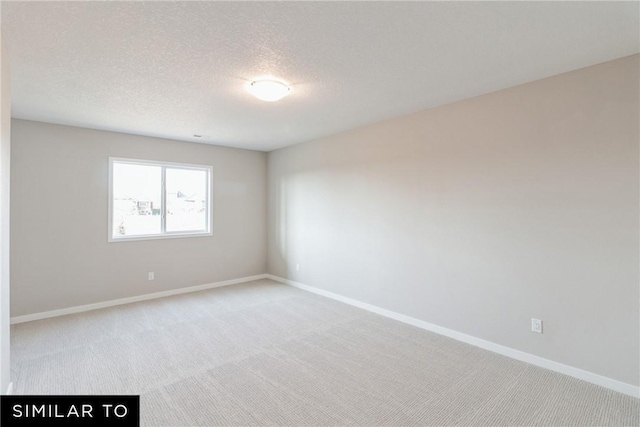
pixel 263 353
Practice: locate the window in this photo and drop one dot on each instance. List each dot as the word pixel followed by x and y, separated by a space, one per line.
pixel 151 200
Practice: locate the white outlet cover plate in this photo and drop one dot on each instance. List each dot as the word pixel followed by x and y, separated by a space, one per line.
pixel 536 326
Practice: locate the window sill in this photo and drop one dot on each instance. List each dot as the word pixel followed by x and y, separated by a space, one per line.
pixel 158 237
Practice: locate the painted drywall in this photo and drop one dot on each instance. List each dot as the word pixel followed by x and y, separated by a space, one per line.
pixel 5 162
pixel 60 256
pixel 480 215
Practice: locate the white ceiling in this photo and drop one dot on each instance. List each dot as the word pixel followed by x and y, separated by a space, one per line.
pixel 174 69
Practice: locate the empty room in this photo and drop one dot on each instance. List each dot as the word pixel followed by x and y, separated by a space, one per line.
pixel 320 213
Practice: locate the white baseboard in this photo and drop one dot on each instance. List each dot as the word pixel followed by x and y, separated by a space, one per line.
pixel 600 380
pixel 88 307
pixel 9 389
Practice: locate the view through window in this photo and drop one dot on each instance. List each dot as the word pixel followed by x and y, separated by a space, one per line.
pixel 152 199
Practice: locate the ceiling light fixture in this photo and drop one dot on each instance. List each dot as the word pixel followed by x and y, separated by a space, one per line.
pixel 269 90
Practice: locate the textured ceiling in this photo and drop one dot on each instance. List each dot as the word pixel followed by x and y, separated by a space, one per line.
pixel 174 69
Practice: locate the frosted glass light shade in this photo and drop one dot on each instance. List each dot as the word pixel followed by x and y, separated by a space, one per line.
pixel 268 90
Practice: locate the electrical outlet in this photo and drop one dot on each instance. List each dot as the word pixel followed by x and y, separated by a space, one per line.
pixel 536 326
pixel 152 275
pixel 297 267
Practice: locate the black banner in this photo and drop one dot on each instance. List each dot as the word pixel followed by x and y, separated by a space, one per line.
pixel 36 411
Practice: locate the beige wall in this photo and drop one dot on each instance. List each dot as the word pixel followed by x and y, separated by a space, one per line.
pixel 479 215
pixel 5 160
pixel 59 252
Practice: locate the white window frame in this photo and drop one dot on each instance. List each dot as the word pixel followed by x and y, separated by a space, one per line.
pixel 163 234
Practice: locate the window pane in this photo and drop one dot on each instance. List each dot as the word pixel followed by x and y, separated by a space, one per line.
pixel 137 196
pixel 186 200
